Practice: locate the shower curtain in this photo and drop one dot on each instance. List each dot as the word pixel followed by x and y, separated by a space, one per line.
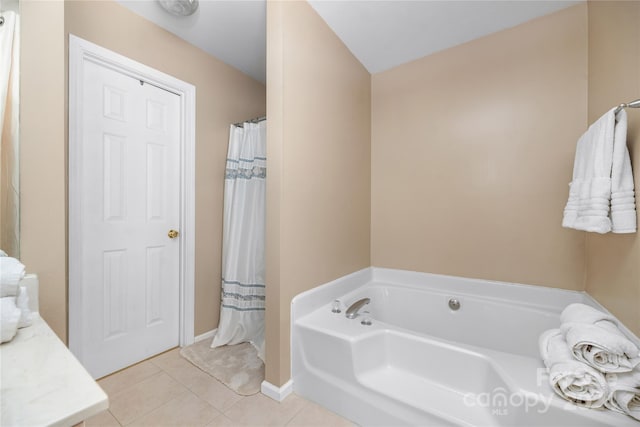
pixel 9 137
pixel 243 259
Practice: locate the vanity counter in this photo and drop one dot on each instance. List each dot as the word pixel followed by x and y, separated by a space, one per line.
pixel 42 383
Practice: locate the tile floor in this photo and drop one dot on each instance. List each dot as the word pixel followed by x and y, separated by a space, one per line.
pixel 167 390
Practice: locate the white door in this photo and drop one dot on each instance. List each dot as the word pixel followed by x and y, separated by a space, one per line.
pixel 129 173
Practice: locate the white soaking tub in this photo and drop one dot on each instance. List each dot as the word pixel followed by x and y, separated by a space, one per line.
pixel 422 362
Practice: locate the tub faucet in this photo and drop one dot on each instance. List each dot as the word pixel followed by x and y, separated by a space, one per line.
pixel 352 311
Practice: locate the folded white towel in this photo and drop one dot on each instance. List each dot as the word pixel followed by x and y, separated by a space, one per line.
pixel 9 318
pixel 595 338
pixel 572 380
pixel 625 393
pixel 601 345
pixel 583 313
pixel 623 203
pixel 11 272
pixel 601 190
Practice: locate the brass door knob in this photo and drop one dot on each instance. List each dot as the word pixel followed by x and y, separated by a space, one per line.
pixel 173 234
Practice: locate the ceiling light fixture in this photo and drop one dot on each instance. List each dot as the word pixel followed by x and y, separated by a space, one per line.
pixel 179 7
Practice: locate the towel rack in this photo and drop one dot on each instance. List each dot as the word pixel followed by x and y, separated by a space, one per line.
pixel 263 118
pixel 632 104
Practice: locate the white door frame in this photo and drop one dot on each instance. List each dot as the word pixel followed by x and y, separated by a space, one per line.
pixel 80 51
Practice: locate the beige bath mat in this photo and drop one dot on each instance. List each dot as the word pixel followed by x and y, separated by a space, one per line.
pixel 236 366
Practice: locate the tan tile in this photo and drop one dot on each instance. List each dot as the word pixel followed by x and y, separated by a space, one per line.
pixel 184 371
pixel 213 392
pixel 143 397
pixel 167 359
pixel 103 419
pixel 314 415
pixel 119 381
pixel 221 421
pixel 186 410
pixel 259 410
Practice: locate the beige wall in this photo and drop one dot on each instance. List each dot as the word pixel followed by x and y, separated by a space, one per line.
pixel 223 95
pixel 613 260
pixel 43 156
pixel 472 151
pixel 318 191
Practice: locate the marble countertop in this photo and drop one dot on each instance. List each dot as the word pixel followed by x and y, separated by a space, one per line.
pixel 42 383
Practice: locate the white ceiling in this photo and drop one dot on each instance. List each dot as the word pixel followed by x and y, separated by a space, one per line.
pixel 233 31
pixel 385 34
pixel 380 33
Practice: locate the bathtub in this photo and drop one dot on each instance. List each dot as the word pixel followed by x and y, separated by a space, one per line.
pixel 421 362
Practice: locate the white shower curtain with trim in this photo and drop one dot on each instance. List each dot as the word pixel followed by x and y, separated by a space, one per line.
pixel 243 245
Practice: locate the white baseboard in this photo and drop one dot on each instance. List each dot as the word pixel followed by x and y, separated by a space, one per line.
pixel 206 335
pixel 276 393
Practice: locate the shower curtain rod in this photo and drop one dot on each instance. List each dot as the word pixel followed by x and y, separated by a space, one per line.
pixel 632 104
pixel 256 120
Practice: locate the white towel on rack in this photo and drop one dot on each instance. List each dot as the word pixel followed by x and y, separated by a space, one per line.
pixel 623 201
pixel 601 194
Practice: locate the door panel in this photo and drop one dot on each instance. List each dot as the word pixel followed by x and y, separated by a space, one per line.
pixel 130 175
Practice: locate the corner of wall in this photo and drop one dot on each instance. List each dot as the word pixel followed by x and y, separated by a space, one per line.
pixel 318 102
pixel 275 134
